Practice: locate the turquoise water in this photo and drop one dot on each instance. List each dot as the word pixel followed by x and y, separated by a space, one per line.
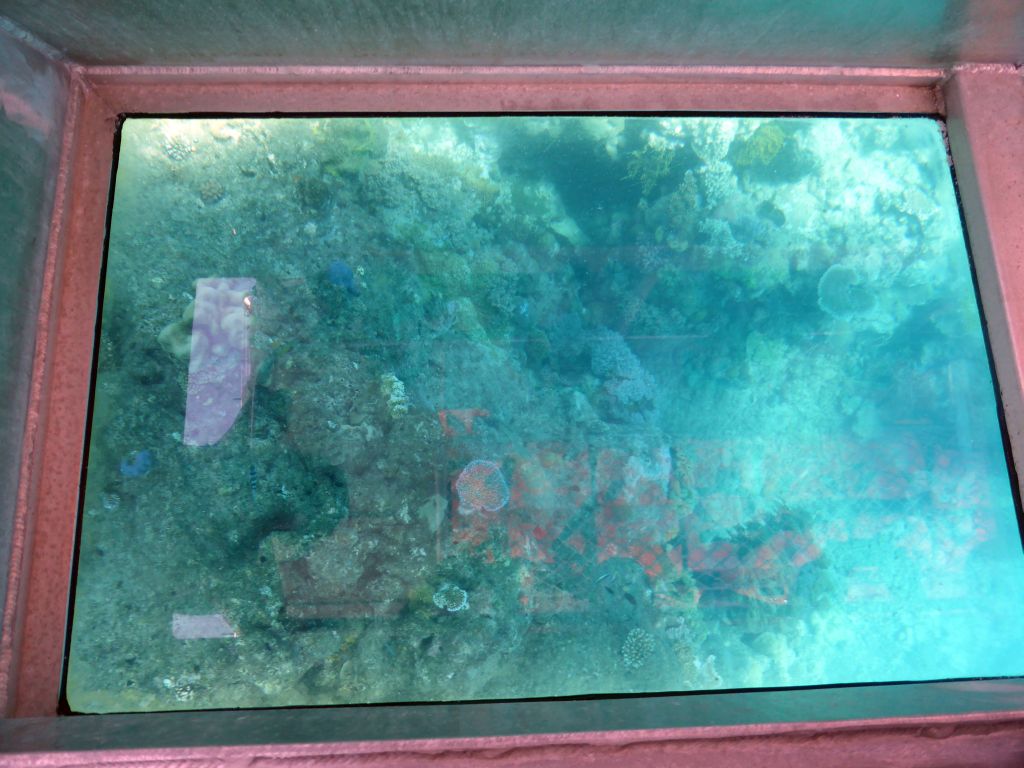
pixel 418 409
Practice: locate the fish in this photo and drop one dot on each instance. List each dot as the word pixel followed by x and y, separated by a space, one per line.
pixel 340 275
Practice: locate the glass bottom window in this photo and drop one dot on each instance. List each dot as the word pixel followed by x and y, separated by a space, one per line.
pixel 435 408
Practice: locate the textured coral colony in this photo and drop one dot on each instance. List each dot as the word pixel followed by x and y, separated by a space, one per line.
pixel 419 409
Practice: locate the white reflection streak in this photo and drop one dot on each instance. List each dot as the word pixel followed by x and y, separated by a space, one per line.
pixel 186 626
pixel 219 362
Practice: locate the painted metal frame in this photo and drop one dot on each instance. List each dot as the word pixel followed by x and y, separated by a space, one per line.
pixel 966 723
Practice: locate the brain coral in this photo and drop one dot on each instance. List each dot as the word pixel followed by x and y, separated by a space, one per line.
pixel 481 486
pixel 637 648
pixel 451 598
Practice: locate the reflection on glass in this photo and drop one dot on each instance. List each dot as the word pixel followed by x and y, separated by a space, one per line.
pixel 410 409
pixel 220 358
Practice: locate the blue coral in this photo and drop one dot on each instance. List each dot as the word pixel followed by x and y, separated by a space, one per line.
pixel 137 464
pixel 340 275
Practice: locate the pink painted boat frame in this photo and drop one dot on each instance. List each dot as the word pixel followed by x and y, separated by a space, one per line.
pixel 965 723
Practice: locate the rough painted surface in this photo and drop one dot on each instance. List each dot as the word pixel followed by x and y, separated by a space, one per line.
pixel 925 745
pixel 986 113
pixel 992 741
pixel 32 97
pixel 191 32
pixel 88 164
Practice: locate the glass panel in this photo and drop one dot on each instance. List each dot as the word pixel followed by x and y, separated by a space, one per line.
pixel 406 409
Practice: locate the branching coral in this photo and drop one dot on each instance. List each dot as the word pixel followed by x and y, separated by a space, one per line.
pixel 761 148
pixel 393 390
pixel 649 165
pixel 625 379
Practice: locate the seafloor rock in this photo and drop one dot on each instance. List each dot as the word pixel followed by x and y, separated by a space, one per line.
pixel 366 567
pixel 336 416
pixel 471 374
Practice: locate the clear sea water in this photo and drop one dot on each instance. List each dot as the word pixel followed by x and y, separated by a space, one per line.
pixel 420 409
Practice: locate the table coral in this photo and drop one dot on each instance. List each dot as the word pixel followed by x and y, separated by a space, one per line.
pixel 481 485
pixel 843 294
